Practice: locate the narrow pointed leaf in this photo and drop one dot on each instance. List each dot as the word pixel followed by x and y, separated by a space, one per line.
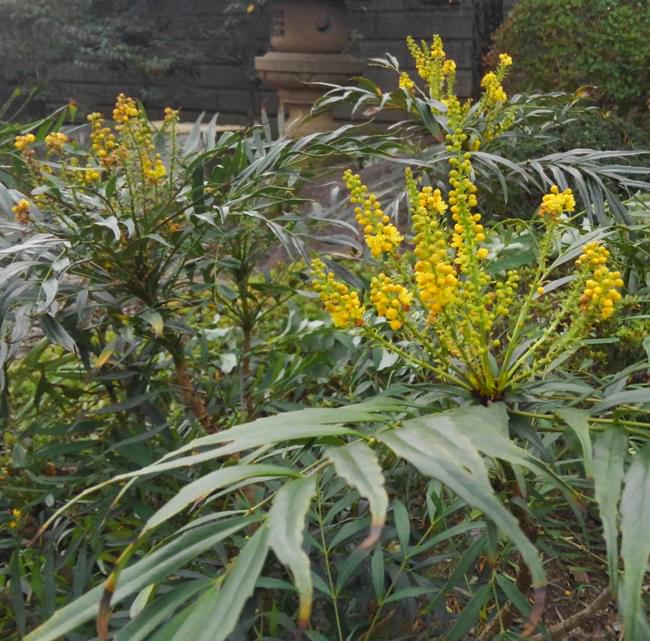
pixel 357 464
pixel 577 420
pixel 414 444
pixel 469 615
pixel 286 525
pixel 609 458
pixel 162 609
pixel 216 613
pixel 204 486
pixel 635 543
pixel 152 568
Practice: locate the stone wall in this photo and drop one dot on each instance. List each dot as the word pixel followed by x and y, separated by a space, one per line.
pixel 222 79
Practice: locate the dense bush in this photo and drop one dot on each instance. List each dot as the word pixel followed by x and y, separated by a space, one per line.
pixel 562 45
pixel 458 450
pixel 522 144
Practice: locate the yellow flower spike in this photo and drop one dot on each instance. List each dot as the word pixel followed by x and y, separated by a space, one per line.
pixel 600 294
pixel 505 60
pixel 556 203
pixel 55 142
pixel 342 305
pixel 406 82
pixel 21 211
pixel 171 115
pixel 103 141
pixel 125 109
pixel 22 143
pixel 155 171
pixel 381 236
pixel 390 299
pixel 448 67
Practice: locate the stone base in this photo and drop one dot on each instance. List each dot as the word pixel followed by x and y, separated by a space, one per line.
pixel 291 73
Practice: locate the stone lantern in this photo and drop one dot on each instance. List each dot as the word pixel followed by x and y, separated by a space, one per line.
pixel 308 38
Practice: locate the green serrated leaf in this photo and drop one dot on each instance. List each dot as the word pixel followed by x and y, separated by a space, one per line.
pixel 205 485
pixel 413 443
pixel 402 525
pixel 578 421
pixel 635 543
pixel 152 568
pixel 357 464
pixel 286 524
pixel 608 469
pixel 216 613
pixel 160 611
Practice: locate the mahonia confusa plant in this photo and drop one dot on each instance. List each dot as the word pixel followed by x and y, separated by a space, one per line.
pixel 435 294
pixel 492 111
pixel 125 150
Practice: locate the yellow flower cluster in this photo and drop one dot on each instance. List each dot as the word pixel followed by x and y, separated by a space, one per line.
pixel 92 176
pixel 492 82
pixel 22 143
pixel 406 82
pixel 468 231
pixel 21 211
pixel 102 140
pixel 435 276
pixel 505 60
pixel 171 115
pixel 391 300
pixel 556 202
pixel 432 66
pixel 135 144
pixel 493 103
pixel 494 91
pixel 154 169
pixel 600 294
pixel 15 514
pixel 342 305
pixel 55 142
pixel 125 109
pixel 380 234
pixel 448 68
pixel 505 292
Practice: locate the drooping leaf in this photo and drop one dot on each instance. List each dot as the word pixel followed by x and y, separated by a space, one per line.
pixel 152 568
pixel 402 525
pixel 205 485
pixel 286 524
pixel 635 544
pixel 413 442
pixel 216 613
pixel 469 614
pixel 302 424
pixel 641 395
pixel 160 610
pixel 357 464
pixel 577 420
pixel 57 333
pixel 609 459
